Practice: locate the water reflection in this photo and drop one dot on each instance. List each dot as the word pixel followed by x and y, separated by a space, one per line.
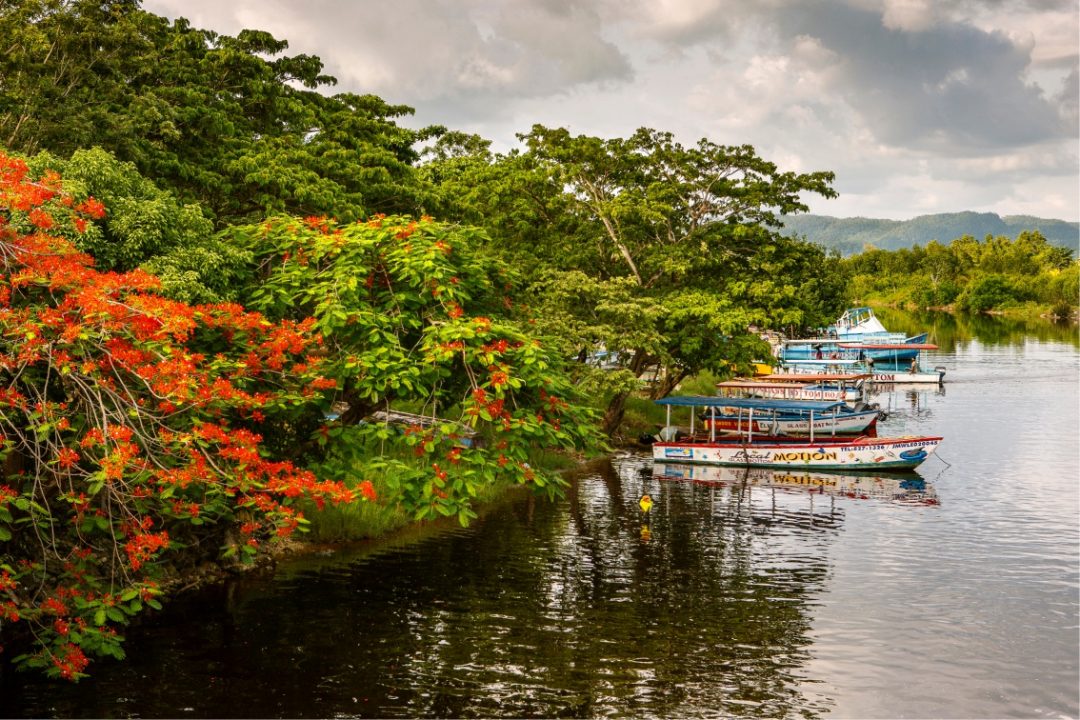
pixel 540 610
pixel 949 330
pixel 902 488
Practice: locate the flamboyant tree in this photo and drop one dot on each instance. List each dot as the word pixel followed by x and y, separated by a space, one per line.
pixel 125 450
pixel 416 316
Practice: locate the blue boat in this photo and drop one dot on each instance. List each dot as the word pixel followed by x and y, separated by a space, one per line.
pixel 856 325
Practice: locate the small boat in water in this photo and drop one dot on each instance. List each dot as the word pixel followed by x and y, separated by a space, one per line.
pixel 894 363
pixel 847 387
pixel 787 417
pixel 905 488
pixel 828 349
pixel 754 449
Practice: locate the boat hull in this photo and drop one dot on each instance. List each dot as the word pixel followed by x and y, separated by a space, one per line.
pixel 804 352
pixel 888 376
pixel 863 453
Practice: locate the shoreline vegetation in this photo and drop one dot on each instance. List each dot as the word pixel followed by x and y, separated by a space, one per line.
pixel 214 278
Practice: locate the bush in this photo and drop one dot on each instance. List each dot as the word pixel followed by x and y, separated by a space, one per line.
pixel 987 293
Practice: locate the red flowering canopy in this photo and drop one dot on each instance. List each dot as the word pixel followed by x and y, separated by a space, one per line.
pixel 120 442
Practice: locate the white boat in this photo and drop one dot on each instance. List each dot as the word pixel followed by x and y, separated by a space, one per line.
pixel 906 488
pixel 860 323
pixel 813 452
pixel 851 422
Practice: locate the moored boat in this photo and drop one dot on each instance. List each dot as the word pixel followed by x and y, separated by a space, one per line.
pixel 753 449
pixel 894 363
pixel 787 386
pixel 829 349
pixel 787 417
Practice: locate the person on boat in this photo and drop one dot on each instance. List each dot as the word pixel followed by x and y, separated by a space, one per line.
pixel 817 352
pixel 915 365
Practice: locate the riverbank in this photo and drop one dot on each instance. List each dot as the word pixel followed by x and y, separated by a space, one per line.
pixel 1026 311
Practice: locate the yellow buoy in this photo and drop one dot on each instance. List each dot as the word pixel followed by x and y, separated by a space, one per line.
pixel 645 503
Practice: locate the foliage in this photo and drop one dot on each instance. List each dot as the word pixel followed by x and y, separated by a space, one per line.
pixel 414 316
pixel 227 122
pixel 145 227
pixel 995 273
pixel 123 446
pixel 661 253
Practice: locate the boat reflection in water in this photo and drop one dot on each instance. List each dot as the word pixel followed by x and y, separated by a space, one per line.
pixel 904 488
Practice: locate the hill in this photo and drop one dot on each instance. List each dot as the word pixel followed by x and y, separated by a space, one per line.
pixel 851 235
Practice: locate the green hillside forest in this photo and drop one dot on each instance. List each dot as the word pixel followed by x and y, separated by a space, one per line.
pixel 852 235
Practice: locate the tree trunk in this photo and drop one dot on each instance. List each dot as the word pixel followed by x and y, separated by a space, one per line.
pixel 670 380
pixel 616 409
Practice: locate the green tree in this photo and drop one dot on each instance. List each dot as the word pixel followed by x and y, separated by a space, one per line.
pixel 144 226
pixel 414 316
pixel 664 253
pixel 228 122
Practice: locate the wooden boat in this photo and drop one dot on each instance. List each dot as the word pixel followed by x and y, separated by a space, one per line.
pixel 905 488
pixel 785 386
pixel 753 449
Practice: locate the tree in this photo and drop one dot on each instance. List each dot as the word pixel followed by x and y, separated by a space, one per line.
pixel 123 448
pixel 415 317
pixel 227 122
pixel 145 227
pixel 682 240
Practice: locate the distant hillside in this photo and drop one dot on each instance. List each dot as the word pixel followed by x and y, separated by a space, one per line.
pixel 851 235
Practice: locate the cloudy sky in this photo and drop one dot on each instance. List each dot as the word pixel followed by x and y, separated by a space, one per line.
pixel 918 106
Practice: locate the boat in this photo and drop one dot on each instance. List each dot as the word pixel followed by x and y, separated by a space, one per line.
pixel 844 420
pixel 847 387
pixel 858 324
pixel 892 363
pixel 889 369
pixel 905 488
pixel 828 349
pixel 855 325
pixel 812 452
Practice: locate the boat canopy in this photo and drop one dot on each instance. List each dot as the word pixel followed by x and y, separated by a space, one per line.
pixel 751 403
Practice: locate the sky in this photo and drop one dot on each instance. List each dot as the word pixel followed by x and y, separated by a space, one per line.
pixel 917 106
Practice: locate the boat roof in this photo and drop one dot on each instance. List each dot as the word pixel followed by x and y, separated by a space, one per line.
pixel 889 346
pixel 815 377
pixel 748 403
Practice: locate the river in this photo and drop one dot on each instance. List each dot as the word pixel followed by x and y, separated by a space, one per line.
pixel 951 593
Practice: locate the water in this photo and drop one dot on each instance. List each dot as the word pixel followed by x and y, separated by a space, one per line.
pixel 953 593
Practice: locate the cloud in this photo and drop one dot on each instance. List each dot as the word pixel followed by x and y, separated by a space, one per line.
pixel 949 87
pixel 907 100
pixel 422 51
